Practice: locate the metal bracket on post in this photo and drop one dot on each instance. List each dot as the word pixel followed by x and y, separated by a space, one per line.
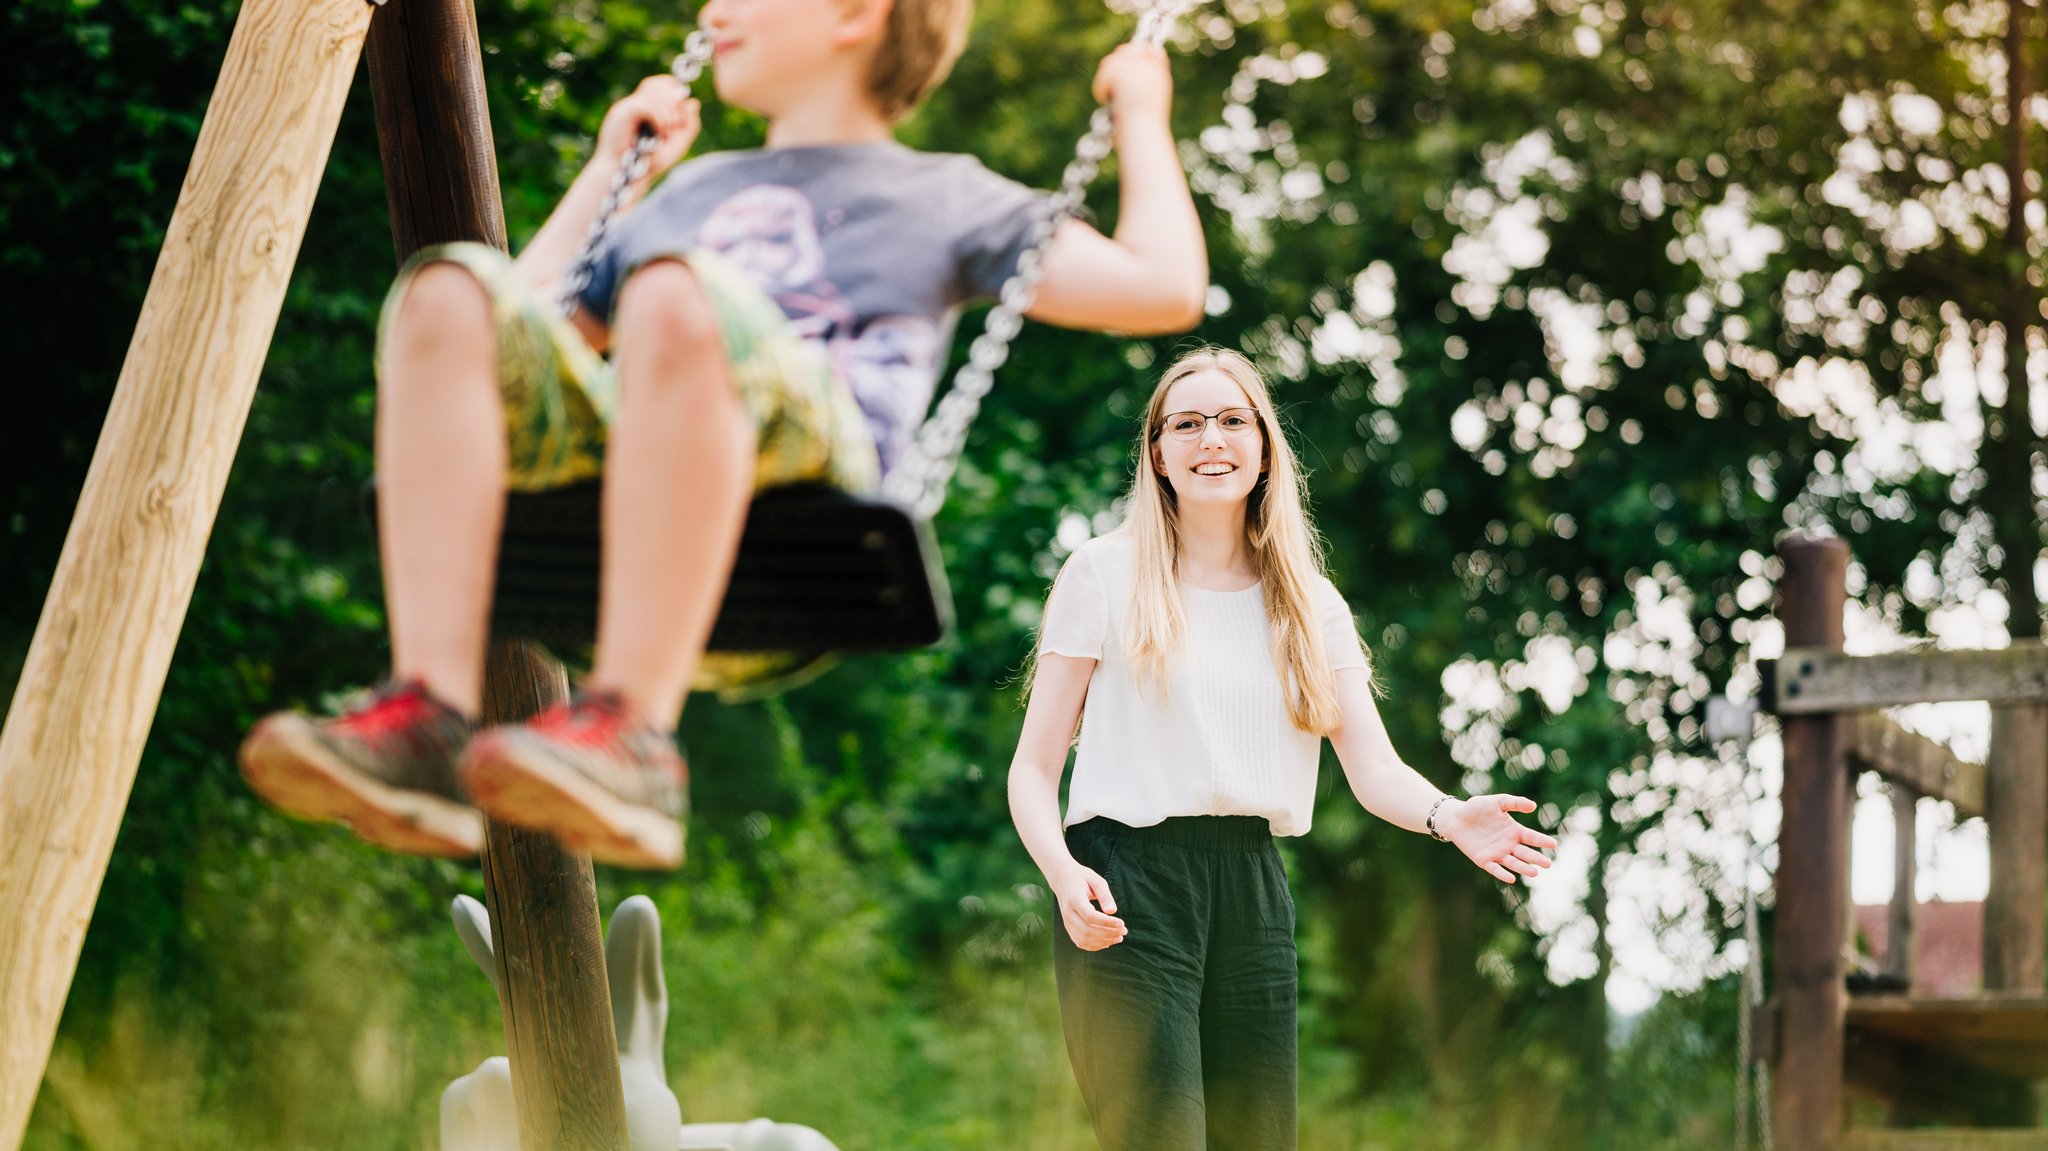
pixel 1730 720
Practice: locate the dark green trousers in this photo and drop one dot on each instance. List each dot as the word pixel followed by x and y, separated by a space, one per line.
pixel 1182 1036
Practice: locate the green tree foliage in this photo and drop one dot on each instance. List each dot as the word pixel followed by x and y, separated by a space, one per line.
pixel 1572 308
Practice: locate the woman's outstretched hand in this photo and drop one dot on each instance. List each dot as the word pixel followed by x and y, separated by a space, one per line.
pixel 1079 889
pixel 1485 830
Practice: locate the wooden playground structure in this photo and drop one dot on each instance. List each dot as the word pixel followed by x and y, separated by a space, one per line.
pixel 89 689
pixel 75 732
pixel 1971 1063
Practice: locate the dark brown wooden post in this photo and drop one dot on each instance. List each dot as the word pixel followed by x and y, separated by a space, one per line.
pixel 544 930
pixel 434 126
pixel 2016 820
pixel 441 176
pixel 1813 854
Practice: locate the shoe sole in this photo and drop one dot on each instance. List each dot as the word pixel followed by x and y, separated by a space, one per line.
pixel 286 764
pixel 532 790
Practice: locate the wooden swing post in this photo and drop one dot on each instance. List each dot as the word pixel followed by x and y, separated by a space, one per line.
pixel 102 647
pixel 441 179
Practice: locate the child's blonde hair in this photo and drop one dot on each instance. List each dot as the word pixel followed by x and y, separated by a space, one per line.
pixel 1286 552
pixel 923 40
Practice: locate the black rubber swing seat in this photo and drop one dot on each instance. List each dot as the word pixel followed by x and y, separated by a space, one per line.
pixel 818 570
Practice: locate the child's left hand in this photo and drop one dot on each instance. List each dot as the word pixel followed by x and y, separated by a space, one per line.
pixel 1483 829
pixel 1137 85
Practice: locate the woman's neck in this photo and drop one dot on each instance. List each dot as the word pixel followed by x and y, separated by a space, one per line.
pixel 1213 548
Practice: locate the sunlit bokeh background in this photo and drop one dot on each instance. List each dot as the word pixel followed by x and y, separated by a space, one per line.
pixel 1575 310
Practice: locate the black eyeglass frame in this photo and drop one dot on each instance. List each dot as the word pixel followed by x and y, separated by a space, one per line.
pixel 1166 420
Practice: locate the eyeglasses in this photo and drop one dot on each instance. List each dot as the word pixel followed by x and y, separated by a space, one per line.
pixel 1234 422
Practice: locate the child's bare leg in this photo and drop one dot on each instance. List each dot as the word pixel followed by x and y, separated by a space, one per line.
pixel 679 469
pixel 441 461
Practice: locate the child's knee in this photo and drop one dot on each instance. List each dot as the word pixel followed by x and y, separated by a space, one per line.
pixel 663 312
pixel 442 302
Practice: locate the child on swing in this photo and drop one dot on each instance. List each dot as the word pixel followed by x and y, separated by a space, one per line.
pixel 772 316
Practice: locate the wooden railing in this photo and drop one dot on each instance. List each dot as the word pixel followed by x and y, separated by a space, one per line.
pixel 1972 1060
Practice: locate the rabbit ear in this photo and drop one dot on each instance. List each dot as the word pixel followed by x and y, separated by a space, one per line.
pixel 632 959
pixel 473 927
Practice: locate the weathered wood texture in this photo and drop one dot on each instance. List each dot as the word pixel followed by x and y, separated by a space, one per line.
pixel 559 1033
pixel 433 126
pixel 441 180
pixel 2002 1032
pixel 1900 920
pixel 1920 1084
pixel 1813 855
pixel 1808 680
pixel 96 667
pixel 1972 1140
pixel 1930 768
pixel 2016 824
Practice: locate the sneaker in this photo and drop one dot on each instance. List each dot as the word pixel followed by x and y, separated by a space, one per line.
pixel 385 768
pixel 605 784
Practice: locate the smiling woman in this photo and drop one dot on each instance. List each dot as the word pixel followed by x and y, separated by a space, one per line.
pixel 1213 657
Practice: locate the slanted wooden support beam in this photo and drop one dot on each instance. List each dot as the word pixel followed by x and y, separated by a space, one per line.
pixel 1921 764
pixel 1809 680
pixel 441 180
pixel 1813 861
pixel 95 670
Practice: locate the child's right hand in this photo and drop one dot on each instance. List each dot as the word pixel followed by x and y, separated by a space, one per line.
pixel 1078 889
pixel 661 103
pixel 1136 83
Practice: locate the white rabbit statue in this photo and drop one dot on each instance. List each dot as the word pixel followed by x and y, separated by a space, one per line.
pixel 477 1113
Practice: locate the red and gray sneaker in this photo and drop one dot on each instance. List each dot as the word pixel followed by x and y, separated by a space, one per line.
pixel 604 783
pixel 385 768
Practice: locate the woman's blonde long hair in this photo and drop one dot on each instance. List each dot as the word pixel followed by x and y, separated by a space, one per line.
pixel 1286 551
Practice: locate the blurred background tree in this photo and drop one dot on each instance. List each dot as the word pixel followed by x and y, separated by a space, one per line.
pixel 1573 307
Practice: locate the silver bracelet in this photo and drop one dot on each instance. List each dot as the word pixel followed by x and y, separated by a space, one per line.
pixel 1430 822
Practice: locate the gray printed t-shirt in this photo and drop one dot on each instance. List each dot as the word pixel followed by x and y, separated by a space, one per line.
pixel 870 248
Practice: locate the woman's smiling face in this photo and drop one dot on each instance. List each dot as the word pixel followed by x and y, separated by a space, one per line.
pixel 1222 460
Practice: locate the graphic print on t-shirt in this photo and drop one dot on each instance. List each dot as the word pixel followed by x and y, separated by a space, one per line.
pixel 771 231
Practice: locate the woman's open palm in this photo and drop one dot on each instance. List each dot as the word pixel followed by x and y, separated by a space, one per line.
pixel 1485 829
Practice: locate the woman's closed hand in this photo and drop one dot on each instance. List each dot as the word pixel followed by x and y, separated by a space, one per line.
pixel 1079 889
pixel 1484 828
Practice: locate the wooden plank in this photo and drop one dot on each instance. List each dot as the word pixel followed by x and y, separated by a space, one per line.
pixel 2005 1032
pixel 2016 825
pixel 559 1033
pixel 103 644
pixel 1808 680
pixel 1812 881
pixel 1921 1085
pixel 1924 765
pixel 1954 1139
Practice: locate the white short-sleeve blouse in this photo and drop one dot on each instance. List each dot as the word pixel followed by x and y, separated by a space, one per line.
pixel 1221 741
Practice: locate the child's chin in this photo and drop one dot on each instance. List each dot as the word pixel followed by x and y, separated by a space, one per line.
pixel 736 93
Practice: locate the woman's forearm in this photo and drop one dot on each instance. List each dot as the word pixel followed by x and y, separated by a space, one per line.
pixel 1035 809
pixel 1384 784
pixel 1398 794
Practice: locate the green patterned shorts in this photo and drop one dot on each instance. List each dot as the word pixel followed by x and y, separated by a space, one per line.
pixel 560 396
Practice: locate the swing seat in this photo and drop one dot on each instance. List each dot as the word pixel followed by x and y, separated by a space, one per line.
pixel 818 570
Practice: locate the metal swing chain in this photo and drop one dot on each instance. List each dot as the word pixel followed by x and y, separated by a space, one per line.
pixel 687 67
pixel 918 482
